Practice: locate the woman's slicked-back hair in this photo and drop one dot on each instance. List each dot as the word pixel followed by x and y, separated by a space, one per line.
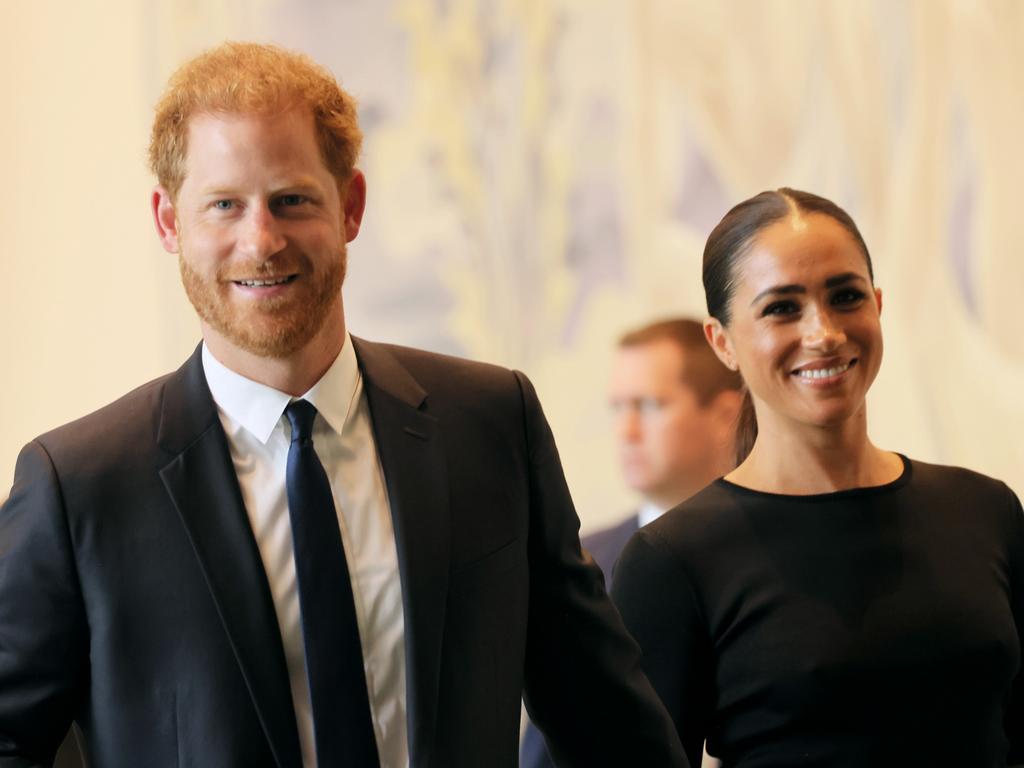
pixel 730 241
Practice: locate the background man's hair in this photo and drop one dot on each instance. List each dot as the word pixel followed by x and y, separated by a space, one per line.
pixel 703 372
pixel 248 78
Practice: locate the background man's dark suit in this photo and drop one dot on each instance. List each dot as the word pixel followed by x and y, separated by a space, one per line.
pixel 133 597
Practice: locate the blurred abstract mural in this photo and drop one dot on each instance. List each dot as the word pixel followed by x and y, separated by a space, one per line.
pixel 543 174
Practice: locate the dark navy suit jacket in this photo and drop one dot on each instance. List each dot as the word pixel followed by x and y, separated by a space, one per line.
pixel 133 599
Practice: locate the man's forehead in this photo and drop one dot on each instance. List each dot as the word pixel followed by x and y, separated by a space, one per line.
pixel 226 145
pixel 660 352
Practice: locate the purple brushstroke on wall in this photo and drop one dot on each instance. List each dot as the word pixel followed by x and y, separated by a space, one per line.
pixel 700 198
pixel 961 218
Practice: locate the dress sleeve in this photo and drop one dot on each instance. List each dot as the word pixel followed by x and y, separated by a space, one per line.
pixel 658 604
pixel 1015 709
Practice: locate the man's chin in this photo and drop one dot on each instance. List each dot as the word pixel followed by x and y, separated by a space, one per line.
pixel 280 344
pixel 273 340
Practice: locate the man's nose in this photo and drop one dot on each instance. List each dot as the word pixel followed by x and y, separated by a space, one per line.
pixel 629 424
pixel 261 236
pixel 822 332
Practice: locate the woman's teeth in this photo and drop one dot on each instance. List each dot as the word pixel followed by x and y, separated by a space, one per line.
pixel 823 373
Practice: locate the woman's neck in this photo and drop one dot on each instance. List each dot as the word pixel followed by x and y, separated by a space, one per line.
pixel 805 459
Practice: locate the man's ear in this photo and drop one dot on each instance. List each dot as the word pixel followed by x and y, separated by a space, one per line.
pixel 718 338
pixel 353 203
pixel 165 219
pixel 726 409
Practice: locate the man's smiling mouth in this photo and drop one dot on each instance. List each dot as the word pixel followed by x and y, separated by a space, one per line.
pixel 264 283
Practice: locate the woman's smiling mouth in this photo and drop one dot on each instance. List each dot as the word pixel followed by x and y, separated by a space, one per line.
pixel 819 374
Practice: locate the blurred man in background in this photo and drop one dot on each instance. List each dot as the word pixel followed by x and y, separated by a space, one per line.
pixel 675 408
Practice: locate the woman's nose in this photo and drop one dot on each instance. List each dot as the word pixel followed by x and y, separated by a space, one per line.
pixel 822 332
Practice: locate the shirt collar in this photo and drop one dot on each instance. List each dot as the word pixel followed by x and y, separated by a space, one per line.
pixel 257 408
pixel 649 513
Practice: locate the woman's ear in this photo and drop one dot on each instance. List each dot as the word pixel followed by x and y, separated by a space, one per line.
pixel 718 338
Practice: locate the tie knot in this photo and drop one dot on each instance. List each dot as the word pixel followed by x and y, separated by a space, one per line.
pixel 301 414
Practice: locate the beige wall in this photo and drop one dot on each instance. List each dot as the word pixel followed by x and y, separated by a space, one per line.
pixel 88 291
pixel 542 177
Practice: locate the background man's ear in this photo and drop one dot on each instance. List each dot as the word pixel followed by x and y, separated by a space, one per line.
pixel 165 219
pixel 718 338
pixel 727 404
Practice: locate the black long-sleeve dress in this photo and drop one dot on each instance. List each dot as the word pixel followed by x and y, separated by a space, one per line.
pixel 868 627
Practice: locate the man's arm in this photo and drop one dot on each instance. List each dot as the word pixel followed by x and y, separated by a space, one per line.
pixel 43 632
pixel 584 686
pixel 660 610
pixel 1015 709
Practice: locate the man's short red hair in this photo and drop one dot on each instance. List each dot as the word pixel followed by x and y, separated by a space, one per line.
pixel 248 78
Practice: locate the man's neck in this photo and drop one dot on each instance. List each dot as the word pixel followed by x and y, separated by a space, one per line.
pixel 295 374
pixel 695 479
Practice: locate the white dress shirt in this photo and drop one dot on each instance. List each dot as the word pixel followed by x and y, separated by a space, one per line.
pixel 259 434
pixel 648 513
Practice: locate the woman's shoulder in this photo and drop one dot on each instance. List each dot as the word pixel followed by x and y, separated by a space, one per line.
pixel 957 484
pixel 704 520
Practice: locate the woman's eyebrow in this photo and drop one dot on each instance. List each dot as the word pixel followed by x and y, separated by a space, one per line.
pixel 831 282
pixel 846 277
pixel 783 289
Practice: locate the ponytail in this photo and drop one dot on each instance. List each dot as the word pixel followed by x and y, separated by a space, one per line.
pixel 746 427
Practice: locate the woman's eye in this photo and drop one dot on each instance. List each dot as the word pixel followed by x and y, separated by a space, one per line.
pixel 780 308
pixel 847 296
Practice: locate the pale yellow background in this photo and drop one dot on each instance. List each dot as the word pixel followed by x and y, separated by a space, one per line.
pixel 542 177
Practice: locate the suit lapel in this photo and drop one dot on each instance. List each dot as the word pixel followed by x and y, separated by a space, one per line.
pixel 201 481
pixel 410 445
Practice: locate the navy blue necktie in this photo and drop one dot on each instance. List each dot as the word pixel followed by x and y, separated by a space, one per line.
pixel 330 632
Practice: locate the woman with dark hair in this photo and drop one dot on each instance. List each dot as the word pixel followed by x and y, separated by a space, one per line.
pixel 828 602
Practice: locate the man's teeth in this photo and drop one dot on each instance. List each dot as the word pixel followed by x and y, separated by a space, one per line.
pixel 263 283
pixel 823 373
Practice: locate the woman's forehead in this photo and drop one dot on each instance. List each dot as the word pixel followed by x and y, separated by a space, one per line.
pixel 801 249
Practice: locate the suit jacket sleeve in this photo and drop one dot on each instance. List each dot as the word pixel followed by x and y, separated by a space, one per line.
pixel 1015 709
pixel 43 636
pixel 584 686
pixel 662 613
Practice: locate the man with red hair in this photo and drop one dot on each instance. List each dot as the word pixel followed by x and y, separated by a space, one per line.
pixel 301 548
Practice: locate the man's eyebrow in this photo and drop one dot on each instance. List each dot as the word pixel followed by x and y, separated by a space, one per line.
pixel 783 289
pixel 301 184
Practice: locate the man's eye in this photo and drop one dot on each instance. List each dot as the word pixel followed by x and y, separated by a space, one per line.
pixel 649 405
pixel 289 201
pixel 780 308
pixel 847 296
pixel 223 205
